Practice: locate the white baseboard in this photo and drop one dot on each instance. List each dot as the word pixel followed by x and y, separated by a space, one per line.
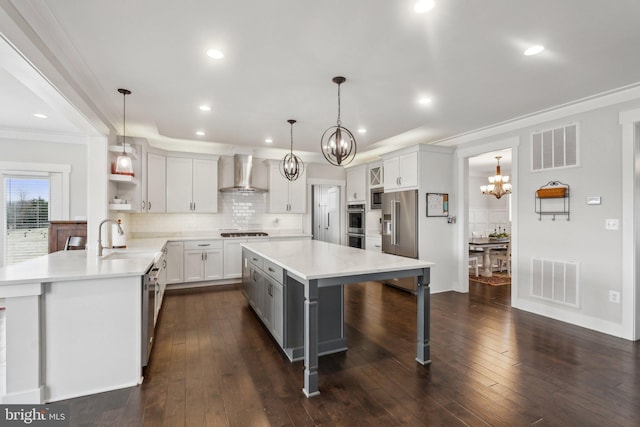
pixel 28 397
pixel 578 319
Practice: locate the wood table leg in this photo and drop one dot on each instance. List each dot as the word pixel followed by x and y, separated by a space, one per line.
pixel 486 263
pixel 311 339
pixel 423 353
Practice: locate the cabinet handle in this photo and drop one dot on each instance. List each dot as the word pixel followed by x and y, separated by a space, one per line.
pixel 194 206
pixel 149 203
pixel 201 256
pixel 204 244
pixel 271 270
pixel 355 195
pixel 143 205
pixel 254 259
pixel 206 256
pixel 164 263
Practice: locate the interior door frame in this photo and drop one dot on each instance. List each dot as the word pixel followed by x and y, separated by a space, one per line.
pixel 462 160
pixel 341 184
pixel 630 124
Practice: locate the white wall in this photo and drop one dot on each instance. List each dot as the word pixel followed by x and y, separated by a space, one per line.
pixel 486 213
pixel 437 237
pixel 34 151
pixel 583 239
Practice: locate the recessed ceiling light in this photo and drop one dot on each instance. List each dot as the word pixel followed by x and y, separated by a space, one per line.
pixel 268 140
pixel 205 108
pixel 534 50
pixel 200 133
pixel 424 101
pixel 40 116
pixel 423 6
pixel 362 130
pixel 215 54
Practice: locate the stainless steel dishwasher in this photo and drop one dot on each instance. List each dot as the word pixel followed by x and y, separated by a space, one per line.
pixel 150 286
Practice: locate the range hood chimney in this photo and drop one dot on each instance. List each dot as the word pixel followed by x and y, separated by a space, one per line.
pixel 242 165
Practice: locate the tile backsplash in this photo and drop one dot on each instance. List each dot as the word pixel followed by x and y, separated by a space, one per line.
pixel 235 211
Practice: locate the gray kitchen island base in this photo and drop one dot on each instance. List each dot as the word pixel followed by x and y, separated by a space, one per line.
pixel 275 274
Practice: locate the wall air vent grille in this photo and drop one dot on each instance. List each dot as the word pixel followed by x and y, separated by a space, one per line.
pixel 554 148
pixel 555 280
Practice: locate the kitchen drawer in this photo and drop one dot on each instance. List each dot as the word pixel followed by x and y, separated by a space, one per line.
pixel 256 260
pixel 203 244
pixel 276 272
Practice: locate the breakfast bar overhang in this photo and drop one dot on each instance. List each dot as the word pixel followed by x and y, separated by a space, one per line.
pixel 315 264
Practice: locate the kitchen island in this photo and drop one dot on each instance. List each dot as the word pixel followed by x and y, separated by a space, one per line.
pixel 73 322
pixel 314 265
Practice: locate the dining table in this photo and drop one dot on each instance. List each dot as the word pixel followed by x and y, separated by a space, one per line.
pixel 487 245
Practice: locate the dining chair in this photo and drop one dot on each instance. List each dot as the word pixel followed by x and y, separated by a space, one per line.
pixel 75 243
pixel 503 259
pixel 474 262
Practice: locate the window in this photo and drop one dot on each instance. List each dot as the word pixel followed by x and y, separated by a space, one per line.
pixel 27 191
pixel 26 204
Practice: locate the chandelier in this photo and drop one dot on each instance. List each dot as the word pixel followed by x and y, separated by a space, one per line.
pixel 498 184
pixel 123 165
pixel 338 143
pixel 291 166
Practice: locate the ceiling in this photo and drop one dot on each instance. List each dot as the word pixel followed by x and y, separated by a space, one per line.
pixel 280 57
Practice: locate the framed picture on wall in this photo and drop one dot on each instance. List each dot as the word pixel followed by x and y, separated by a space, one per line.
pixel 437 204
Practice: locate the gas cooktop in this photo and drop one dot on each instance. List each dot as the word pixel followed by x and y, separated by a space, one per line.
pixel 244 234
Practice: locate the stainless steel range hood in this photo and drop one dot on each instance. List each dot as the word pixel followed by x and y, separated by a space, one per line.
pixel 242 165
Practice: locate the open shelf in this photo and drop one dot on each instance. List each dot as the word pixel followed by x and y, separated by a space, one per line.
pixel 123 178
pixel 548 200
pixel 119 207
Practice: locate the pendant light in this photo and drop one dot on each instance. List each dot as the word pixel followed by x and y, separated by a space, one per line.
pixel 291 166
pixel 123 165
pixel 498 184
pixel 338 143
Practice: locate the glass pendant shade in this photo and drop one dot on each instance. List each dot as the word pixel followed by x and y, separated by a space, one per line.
pixel 338 143
pixel 498 184
pixel 291 166
pixel 124 164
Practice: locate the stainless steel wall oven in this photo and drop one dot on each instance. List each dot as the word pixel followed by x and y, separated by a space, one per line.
pixel 356 225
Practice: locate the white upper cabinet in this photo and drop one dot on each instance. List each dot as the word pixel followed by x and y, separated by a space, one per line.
pixel 376 174
pixel 357 184
pixel 401 172
pixel 192 185
pixel 205 185
pixel 286 196
pixel 156 200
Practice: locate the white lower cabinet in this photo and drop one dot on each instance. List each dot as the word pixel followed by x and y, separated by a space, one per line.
pixel 233 258
pixel 175 262
pixel 203 260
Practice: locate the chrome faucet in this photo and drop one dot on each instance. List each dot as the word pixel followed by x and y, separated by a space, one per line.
pixel 120 232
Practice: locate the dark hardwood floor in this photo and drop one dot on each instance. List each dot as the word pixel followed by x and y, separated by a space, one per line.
pixel 214 364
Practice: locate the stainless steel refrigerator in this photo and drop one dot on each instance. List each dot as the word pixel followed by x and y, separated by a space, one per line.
pixel 400 230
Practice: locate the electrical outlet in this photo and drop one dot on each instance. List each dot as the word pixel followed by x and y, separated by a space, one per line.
pixel 614 296
pixel 611 224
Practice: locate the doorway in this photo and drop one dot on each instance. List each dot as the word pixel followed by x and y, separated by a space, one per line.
pixel 489 226
pixel 325 222
pixel 468 191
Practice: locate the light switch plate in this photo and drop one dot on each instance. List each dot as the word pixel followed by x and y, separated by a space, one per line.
pixel 611 224
pixel 593 200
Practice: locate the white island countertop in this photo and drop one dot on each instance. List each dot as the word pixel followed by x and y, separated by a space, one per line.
pixel 313 259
